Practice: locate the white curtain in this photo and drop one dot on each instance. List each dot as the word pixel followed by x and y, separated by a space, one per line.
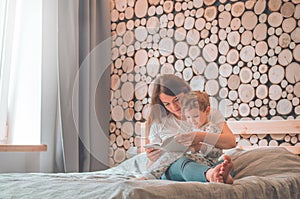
pixel 76 56
pixel 20 63
pixel 5 59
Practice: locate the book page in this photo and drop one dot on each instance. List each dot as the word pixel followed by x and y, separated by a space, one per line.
pixel 153 145
pixel 171 145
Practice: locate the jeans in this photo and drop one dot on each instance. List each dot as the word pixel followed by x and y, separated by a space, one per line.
pixel 185 169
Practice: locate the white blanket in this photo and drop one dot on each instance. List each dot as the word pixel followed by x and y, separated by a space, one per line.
pixel 259 173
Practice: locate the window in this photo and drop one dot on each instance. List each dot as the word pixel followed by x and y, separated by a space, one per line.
pixel 20 80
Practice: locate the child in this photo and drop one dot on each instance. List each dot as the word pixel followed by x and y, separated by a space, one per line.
pixel 198 113
pixel 196 110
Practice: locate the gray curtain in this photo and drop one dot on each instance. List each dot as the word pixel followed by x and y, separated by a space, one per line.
pixel 79 141
pixel 94 35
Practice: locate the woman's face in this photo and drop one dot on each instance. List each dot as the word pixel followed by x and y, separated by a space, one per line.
pixel 172 103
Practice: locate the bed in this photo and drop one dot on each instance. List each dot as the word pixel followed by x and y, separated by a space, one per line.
pixel 260 172
pixel 270 172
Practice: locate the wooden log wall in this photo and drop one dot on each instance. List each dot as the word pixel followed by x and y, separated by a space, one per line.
pixel 264 133
pixel 245 54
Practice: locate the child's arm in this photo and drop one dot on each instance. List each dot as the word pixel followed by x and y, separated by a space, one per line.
pixel 225 140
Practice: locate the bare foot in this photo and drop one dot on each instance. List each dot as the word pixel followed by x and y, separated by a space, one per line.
pixel 225 169
pixel 214 174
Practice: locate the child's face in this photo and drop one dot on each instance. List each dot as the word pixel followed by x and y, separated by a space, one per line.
pixel 196 117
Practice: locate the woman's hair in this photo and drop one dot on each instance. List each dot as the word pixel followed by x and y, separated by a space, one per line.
pixel 170 85
pixel 195 100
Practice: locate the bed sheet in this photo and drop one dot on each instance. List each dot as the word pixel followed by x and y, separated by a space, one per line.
pixel 259 173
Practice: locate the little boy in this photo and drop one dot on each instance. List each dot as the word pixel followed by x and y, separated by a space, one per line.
pixel 196 109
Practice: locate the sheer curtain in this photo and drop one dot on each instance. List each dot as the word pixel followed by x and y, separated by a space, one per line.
pixel 20 83
pixel 76 68
pixel 5 46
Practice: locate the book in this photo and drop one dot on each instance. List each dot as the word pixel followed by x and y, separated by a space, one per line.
pixel 169 145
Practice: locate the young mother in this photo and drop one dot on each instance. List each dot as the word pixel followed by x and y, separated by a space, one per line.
pixel 166 120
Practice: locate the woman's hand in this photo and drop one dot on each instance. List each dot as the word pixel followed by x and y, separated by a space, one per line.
pixel 153 154
pixel 187 139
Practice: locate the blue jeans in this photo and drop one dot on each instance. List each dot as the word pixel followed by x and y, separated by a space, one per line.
pixel 185 169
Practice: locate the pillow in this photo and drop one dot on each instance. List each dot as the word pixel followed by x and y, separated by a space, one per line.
pixel 264 161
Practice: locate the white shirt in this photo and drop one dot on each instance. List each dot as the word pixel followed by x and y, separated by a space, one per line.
pixel 169 127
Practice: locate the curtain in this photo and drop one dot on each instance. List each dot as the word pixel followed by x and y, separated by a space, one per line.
pixel 5 59
pixel 94 83
pixel 51 134
pixel 76 113
pixel 20 61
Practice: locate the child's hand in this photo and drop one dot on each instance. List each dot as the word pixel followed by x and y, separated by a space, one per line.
pixel 187 139
pixel 194 148
pixel 198 147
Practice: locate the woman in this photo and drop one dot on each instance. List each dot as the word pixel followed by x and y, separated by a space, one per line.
pixel 166 120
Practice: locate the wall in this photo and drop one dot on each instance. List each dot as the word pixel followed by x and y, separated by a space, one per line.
pixel 244 54
pixel 19 162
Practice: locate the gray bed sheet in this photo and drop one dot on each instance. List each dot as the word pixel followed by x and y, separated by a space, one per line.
pixel 259 173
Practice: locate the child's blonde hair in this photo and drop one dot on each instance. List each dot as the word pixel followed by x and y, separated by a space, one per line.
pixel 195 100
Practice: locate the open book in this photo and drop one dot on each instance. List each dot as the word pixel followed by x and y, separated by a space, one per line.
pixel 169 145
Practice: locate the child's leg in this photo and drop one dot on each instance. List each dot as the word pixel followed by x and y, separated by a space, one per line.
pixel 185 169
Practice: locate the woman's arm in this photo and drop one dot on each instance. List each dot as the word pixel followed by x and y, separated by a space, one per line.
pixel 152 137
pixel 225 140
